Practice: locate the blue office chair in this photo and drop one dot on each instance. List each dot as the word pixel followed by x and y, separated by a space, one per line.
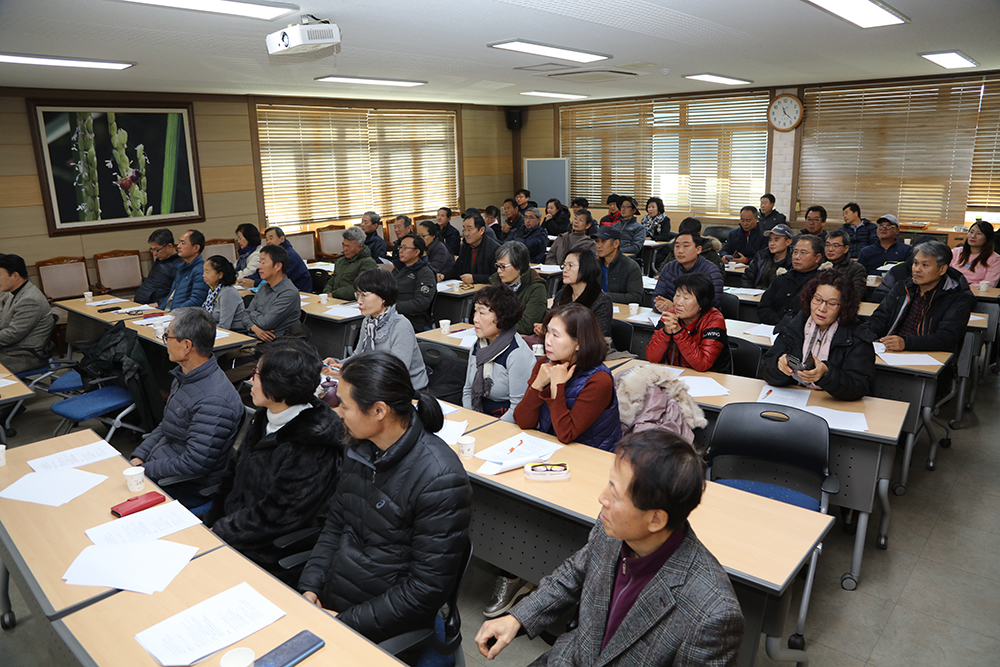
pixel 781 453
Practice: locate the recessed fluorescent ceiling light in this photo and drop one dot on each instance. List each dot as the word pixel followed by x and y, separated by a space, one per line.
pixel 715 78
pixel 862 13
pixel 267 11
pixel 950 59
pixel 548 51
pixel 370 81
pixel 60 62
pixel 561 96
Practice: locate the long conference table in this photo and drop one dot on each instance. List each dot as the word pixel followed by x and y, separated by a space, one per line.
pixel 11 391
pixel 96 626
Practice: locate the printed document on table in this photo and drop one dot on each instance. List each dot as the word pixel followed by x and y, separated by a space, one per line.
pixel 106 302
pixel 840 419
pixel 766 330
pixel 343 311
pixel 72 458
pixel 909 359
pixel 219 333
pixel 452 431
pixel 52 487
pixel 793 398
pixel 209 626
pixel 879 348
pixel 143 567
pixel 140 308
pixel 648 283
pixel 4 382
pixel 515 452
pixel 466 338
pixel 702 386
pixel 646 317
pixel 150 321
pixel 150 524
pixel 446 408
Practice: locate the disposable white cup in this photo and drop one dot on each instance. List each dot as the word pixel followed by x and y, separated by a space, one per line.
pixel 324 298
pixel 158 330
pixel 135 478
pixel 538 349
pixel 238 657
pixel 466 447
pixel 445 326
pixel 633 309
pixel 870 280
pixel 984 285
pixel 88 296
pixel 3 455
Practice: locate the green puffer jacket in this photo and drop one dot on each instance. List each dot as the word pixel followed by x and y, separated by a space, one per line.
pixel 534 296
pixel 341 283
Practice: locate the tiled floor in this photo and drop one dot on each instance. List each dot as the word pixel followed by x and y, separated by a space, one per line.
pixel 932 599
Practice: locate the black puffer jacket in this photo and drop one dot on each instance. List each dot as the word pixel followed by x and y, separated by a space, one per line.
pixel 278 483
pixel 943 322
pixel 780 303
pixel 392 546
pixel 850 368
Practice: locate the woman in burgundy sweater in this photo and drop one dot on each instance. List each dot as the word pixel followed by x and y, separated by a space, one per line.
pixel 571 393
pixel 692 334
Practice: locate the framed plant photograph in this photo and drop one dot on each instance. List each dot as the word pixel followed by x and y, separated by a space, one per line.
pixel 105 166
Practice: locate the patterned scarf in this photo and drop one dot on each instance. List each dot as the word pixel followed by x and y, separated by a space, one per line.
pixel 817 343
pixel 652 224
pixel 212 298
pixel 515 285
pixel 373 325
pixel 482 383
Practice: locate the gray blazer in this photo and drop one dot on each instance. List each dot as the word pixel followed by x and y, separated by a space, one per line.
pixel 26 322
pixel 229 309
pixel 687 615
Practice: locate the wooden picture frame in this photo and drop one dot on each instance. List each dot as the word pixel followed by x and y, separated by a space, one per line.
pixel 106 166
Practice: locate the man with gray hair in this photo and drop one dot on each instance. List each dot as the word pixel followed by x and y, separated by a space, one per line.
pixel 927 311
pixel 356 260
pixel 370 223
pixel 531 234
pixel 202 415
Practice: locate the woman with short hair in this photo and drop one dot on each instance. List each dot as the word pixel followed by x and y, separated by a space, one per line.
pixel 248 255
pixel 975 258
pixel 571 393
pixel 556 217
pixel 438 255
pixel 581 278
pixel 514 270
pixel 655 221
pixel 500 362
pixel 824 342
pixel 223 301
pixel 383 329
pixel 285 472
pixel 692 333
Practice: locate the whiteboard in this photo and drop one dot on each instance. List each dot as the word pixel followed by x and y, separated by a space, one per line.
pixel 547 178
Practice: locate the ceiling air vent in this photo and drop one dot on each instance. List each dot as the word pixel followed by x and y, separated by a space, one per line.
pixel 593 76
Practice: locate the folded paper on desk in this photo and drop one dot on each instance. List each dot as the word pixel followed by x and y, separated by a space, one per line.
pixel 144 526
pixel 143 567
pixel 766 330
pixel 446 285
pixel 145 307
pixel 72 458
pixel 840 419
pixel 219 333
pixel 150 321
pixel 549 268
pixel 793 398
pixel 909 359
pixel 879 348
pixel 701 386
pixel 744 291
pixel 106 302
pixel 52 487
pixel 343 311
pixel 976 318
pixel 209 626
pixel 6 383
pixel 515 452
pixel 452 431
pixel 446 408
pixel 650 318
pixel 648 283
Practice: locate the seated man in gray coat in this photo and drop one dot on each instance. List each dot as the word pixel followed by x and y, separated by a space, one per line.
pixel 649 591
pixel 276 306
pixel 202 416
pixel 26 320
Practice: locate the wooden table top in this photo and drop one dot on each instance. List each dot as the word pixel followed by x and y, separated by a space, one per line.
pixel 311 305
pixel 756 539
pixel 463 290
pixel 81 307
pixel 884 417
pixel 49 539
pixel 476 419
pixel 106 630
pixel 435 336
pixel 12 392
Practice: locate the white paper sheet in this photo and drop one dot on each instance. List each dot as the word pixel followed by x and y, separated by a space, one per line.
pixel 794 398
pixel 976 318
pixel 701 386
pixel 343 311
pixel 452 431
pixel 150 524
pixel 614 309
pixel 744 291
pixel 106 302
pixel 140 308
pixel 909 359
pixel 143 567
pixel 446 408
pixel 761 330
pixel 515 452
pixel 52 487
pixel 549 268
pixel 840 419
pixel 879 348
pixel 72 458
pixel 646 316
pixel 325 266
pixel 209 626
pixel 219 333
pixel 648 283
pixel 446 285
pixel 4 382
pixel 150 321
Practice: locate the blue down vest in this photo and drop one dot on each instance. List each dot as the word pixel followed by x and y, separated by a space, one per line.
pixel 606 430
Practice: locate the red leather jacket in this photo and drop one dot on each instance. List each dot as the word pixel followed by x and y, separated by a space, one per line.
pixel 701 345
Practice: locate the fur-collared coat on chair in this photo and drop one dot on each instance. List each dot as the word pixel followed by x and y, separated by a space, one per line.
pixel 653 396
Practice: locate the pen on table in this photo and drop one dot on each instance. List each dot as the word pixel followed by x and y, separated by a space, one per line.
pixel 769 392
pixel 519 443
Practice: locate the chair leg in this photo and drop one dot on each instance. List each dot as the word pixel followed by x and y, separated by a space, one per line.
pixel 59 426
pixel 800 625
pixel 7 618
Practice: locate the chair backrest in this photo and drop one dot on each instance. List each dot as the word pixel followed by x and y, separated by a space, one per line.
pixel 433 353
pixel 319 279
pixel 729 305
pixel 754 440
pixel 329 240
pixel 993 311
pixel 304 244
pixel 224 247
pixel 746 357
pixel 621 335
pixel 118 269
pixel 720 232
pixel 63 277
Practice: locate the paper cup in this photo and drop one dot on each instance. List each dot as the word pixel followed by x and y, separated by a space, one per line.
pixel 466 447
pixel 158 330
pixel 88 296
pixel 538 349
pixel 870 280
pixel 238 657
pixel 984 285
pixel 3 455
pixel 135 478
pixel 633 309
pixel 446 327
pixel 324 298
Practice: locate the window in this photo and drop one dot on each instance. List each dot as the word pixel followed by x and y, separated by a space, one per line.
pixel 925 151
pixel 323 164
pixel 705 155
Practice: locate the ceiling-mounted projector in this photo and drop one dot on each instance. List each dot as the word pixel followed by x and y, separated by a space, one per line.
pixel 301 38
